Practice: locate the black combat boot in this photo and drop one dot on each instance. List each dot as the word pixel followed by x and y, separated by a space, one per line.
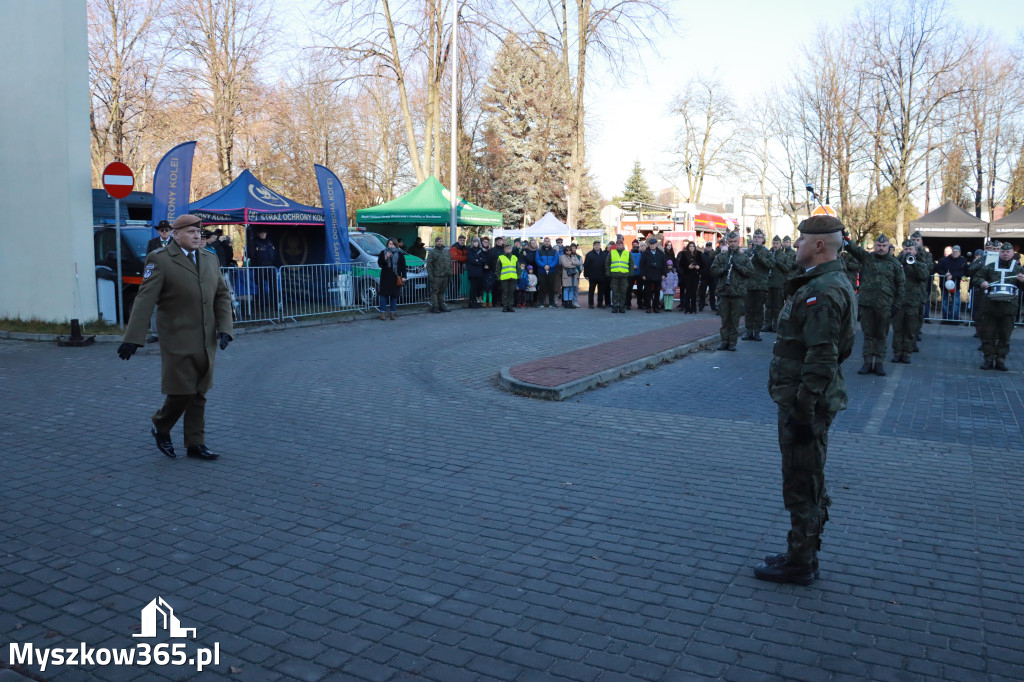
pixel 724 345
pixel 866 369
pixel 879 370
pixel 905 359
pixel 749 336
pixel 785 572
pixel 988 364
pixel 783 557
pixel 1001 364
pixel 757 336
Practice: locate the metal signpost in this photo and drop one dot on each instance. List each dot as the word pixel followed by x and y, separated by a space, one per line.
pixel 118 180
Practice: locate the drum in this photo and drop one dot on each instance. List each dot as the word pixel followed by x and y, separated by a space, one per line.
pixel 1001 291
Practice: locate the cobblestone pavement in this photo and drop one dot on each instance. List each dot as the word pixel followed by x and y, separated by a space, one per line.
pixel 382 511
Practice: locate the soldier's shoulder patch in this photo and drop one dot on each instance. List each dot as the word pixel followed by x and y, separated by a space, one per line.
pixel 148 271
pixel 813 300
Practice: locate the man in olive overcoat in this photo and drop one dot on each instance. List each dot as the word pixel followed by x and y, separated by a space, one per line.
pixel 193 314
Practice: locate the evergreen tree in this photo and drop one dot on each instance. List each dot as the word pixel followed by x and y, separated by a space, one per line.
pixel 637 188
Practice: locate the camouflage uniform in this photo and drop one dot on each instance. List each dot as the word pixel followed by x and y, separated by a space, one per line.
pixel 761 261
pixel 981 320
pixel 1000 313
pixel 815 335
pixel 882 286
pixel 926 258
pixel 439 269
pixel 906 322
pixel 852 268
pixel 731 270
pixel 776 283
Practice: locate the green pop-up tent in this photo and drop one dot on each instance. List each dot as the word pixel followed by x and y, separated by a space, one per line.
pixel 427 204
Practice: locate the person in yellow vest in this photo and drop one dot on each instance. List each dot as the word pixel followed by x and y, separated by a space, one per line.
pixel 618 266
pixel 508 274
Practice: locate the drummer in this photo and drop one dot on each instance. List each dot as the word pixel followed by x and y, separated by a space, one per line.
pixel 999 283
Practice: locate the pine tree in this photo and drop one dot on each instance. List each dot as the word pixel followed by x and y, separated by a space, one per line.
pixel 637 188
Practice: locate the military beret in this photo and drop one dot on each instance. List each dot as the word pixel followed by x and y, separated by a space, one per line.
pixel 776 238
pixel 186 221
pixel 1006 246
pixel 908 242
pixel 821 224
pixel 916 235
pixel 881 239
pixel 758 232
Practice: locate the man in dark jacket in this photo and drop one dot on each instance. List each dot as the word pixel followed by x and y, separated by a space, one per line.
pixel 706 289
pixel 547 268
pixel 635 277
pixel 593 270
pixel 164 230
pixel 951 268
pixel 653 265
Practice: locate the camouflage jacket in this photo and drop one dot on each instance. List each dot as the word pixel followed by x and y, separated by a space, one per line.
pixel 882 282
pixel 989 273
pixel 929 262
pixel 785 260
pixel 761 261
pixel 731 269
pixel 439 263
pixel 816 334
pixel 917 277
pixel 852 267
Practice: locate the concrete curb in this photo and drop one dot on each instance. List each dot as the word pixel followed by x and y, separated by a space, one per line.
pixel 509 383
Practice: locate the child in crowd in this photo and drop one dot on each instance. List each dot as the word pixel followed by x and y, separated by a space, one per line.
pixel 531 287
pixel 521 285
pixel 668 286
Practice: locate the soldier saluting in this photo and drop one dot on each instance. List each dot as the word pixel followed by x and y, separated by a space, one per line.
pixel 194 312
pixel 815 335
pixel 881 287
pixel 731 268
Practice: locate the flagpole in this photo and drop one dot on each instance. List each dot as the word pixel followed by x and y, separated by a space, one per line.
pixel 453 218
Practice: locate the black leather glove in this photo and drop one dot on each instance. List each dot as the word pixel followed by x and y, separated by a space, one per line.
pixel 803 431
pixel 224 340
pixel 126 350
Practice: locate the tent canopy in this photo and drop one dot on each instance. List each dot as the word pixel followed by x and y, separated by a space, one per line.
pixel 247 200
pixel 427 204
pixel 1010 226
pixel 949 220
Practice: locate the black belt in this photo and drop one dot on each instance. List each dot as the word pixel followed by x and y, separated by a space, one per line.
pixel 789 351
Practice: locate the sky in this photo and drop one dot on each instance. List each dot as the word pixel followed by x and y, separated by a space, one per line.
pixel 750 44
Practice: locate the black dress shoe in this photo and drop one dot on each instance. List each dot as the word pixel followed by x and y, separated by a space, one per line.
pixel 783 557
pixel 786 572
pixel 201 452
pixel 163 442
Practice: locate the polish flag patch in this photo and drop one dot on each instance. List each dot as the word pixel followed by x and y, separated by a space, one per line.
pixel 812 300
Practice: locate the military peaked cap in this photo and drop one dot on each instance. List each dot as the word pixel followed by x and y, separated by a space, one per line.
pixel 821 224
pixel 186 221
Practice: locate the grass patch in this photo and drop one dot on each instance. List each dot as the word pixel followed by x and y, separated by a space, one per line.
pixel 43 327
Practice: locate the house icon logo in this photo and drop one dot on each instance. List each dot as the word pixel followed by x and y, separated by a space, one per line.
pixel 159 612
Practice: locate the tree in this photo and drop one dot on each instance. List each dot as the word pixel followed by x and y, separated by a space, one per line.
pixel 913 51
pixel 223 43
pixel 637 188
pixel 707 115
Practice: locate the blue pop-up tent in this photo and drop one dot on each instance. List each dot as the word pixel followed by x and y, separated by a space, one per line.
pixel 247 201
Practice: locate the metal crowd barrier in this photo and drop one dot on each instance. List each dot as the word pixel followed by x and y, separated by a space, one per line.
pixel 255 293
pixel 957 306
pixel 308 290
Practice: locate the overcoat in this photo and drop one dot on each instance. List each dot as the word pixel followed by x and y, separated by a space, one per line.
pixel 193 306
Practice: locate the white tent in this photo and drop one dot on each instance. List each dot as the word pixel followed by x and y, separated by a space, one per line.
pixel 548 226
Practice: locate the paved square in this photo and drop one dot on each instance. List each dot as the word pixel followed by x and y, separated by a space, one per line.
pixel 383 511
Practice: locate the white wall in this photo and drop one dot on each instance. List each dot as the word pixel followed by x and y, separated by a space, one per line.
pixel 45 182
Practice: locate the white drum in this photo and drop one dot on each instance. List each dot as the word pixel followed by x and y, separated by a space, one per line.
pixel 1001 291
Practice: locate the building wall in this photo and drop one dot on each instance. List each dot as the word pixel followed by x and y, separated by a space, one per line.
pixel 46 220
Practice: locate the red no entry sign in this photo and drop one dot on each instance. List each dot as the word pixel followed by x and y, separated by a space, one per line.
pixel 118 180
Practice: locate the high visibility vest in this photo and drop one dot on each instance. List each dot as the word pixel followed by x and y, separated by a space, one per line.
pixel 508 267
pixel 620 262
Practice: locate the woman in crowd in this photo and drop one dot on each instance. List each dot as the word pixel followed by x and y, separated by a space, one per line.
pixel 392 266
pixel 689 278
pixel 670 252
pixel 476 257
pixel 571 265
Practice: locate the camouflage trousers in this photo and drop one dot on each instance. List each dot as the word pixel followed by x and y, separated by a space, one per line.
pixel 999 317
pixel 620 291
pixel 730 309
pixel 803 485
pixel 753 318
pixel 906 323
pixel 437 291
pixel 773 305
pixel 874 322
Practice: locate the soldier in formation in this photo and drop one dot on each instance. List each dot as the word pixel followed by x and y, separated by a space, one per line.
pixel 1000 309
pixel 906 323
pixel 805 379
pixel 776 282
pixel 882 285
pixel 731 268
pixel 761 262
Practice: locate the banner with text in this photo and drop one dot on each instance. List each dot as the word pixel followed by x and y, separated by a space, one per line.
pixel 172 182
pixel 332 198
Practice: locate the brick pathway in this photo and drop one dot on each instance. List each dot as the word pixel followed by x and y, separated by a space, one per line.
pixel 382 511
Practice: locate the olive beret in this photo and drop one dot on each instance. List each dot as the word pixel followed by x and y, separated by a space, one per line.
pixel 821 224
pixel 186 221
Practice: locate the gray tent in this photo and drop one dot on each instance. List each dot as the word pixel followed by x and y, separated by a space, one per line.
pixel 1008 227
pixel 949 220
